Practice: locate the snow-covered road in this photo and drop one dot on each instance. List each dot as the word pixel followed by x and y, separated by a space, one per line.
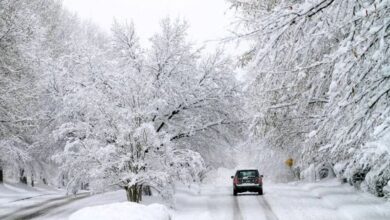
pixel 211 202
pixel 33 207
pixel 214 200
pixel 326 200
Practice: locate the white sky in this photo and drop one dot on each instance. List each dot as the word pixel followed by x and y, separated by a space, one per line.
pixel 208 19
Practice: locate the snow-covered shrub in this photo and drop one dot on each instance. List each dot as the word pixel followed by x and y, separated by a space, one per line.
pixel 386 190
pixel 319 172
pixel 324 171
pixel 339 169
pixel 309 174
pixel 372 166
pixel 187 166
pixel 355 174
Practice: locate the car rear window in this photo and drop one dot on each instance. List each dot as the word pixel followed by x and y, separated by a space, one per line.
pixel 248 173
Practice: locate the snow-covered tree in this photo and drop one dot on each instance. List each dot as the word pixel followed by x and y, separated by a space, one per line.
pixel 319 79
pixel 107 132
pixel 22 71
pixel 200 94
pixel 81 107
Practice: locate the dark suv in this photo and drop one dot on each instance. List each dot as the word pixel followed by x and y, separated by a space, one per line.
pixel 247 181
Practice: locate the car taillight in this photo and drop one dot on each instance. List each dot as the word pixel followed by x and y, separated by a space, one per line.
pixel 235 180
pixel 259 180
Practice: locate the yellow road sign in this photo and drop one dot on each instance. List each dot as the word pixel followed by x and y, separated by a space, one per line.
pixel 289 162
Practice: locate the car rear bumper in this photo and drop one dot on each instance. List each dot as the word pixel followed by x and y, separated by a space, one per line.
pixel 248 187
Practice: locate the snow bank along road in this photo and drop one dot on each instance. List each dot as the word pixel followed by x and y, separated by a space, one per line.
pixel 327 200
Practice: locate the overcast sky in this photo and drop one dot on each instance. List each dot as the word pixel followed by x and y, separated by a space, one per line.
pixel 208 19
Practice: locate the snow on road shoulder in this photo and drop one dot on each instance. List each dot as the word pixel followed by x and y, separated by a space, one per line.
pixel 123 211
pixel 327 200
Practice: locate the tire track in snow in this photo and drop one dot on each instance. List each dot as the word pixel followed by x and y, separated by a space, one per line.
pixel 236 210
pixel 250 208
pixel 32 197
pixel 39 209
pixel 267 208
pixel 38 204
pixel 221 204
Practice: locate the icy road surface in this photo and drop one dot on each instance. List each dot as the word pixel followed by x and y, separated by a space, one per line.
pixel 327 200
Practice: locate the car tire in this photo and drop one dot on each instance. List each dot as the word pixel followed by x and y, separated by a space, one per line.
pixel 234 192
pixel 261 192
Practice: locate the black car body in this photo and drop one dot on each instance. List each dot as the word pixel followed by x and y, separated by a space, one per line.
pixel 247 181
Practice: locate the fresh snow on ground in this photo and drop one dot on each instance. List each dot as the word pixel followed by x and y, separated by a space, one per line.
pixel 327 200
pixel 17 196
pixel 324 200
pixel 18 191
pixel 63 212
pixel 123 211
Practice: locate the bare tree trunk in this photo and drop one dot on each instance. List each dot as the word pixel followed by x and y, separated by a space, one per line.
pixel 147 191
pixel 22 177
pixel 63 180
pixel 134 193
pixel 84 186
pixel 44 181
pixel 32 180
pixel 1 174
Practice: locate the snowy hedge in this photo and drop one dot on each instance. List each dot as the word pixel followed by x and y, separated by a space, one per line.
pixel 370 168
